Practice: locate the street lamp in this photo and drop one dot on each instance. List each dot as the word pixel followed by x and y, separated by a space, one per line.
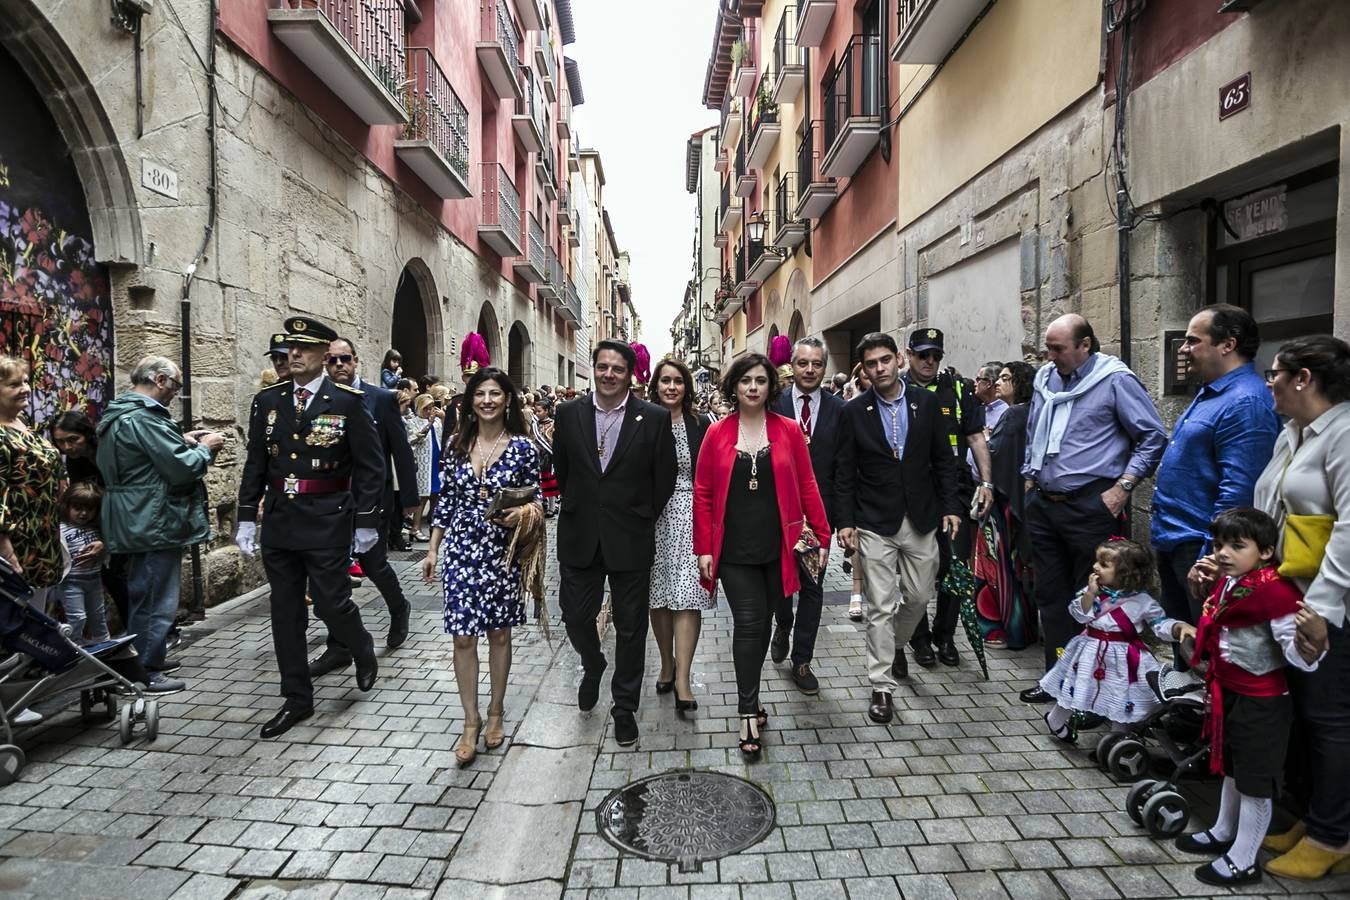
pixel 755 228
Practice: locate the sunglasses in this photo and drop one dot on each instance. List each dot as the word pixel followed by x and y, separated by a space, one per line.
pixel 335 358
pixel 930 355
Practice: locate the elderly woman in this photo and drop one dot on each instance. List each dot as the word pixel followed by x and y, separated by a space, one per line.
pixel 30 486
pixel 424 434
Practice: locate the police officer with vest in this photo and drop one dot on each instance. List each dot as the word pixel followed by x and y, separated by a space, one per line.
pixel 963 418
pixel 314 462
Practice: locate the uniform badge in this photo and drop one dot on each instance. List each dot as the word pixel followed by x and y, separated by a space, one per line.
pixel 932 334
pixel 271 417
pixel 276 450
pixel 326 431
pixel 291 486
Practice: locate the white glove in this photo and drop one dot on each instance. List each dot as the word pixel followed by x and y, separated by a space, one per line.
pixel 365 539
pixel 246 536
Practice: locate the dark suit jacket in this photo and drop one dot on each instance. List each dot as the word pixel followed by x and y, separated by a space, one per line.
pixel 878 492
pixel 614 511
pixel 382 405
pixel 824 443
pixel 695 427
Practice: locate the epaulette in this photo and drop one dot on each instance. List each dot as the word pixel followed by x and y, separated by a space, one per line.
pixel 348 388
pixel 273 387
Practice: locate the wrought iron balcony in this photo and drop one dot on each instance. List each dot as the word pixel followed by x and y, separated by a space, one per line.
pixel 571 308
pixel 729 215
pixel 543 171
pixel 565 213
pixel 551 288
pixel 853 99
pixel 548 73
pixel 764 126
pixel 564 116
pixel 731 124
pixel 763 261
pixel 498 49
pixel 815 192
pixel 528 119
pixel 789 60
pixel 813 20
pixel 746 69
pixel 533 266
pixel 435 142
pixel 355 47
pixel 499 227
pixel 927 30
pixel 786 231
pixel 745 179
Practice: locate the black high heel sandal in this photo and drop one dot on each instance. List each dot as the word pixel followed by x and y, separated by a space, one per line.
pixel 665 687
pixel 684 706
pixel 751 744
pixel 763 716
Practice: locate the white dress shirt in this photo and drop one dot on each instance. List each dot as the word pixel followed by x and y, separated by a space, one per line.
pixel 797 407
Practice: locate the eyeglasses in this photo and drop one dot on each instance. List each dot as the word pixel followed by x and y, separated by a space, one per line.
pixel 1272 374
pixel 177 385
pixel 1004 377
pixel 930 355
pixel 979 378
pixel 335 358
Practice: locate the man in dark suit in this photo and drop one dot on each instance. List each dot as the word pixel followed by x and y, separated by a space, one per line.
pixel 342 364
pixel 816 413
pixel 614 457
pixel 314 462
pixel 895 487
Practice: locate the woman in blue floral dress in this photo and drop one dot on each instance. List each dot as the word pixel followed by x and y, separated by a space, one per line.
pixel 483 592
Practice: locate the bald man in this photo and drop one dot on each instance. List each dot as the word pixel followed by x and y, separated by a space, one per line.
pixel 1092 436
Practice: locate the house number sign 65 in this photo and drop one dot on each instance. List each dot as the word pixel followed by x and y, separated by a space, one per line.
pixel 1235 96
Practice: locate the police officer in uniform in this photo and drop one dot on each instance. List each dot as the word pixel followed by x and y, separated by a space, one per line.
pixel 963 419
pixel 279 356
pixel 314 461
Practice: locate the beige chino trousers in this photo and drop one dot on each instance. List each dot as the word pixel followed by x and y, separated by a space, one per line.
pixel 907 560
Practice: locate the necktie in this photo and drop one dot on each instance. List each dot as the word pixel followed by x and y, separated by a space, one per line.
pixel 806 414
pixel 301 398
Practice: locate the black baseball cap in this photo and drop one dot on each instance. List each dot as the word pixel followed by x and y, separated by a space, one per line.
pixel 921 339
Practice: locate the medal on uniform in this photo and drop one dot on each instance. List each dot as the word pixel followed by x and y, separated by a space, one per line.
pixel 271 417
pixel 291 485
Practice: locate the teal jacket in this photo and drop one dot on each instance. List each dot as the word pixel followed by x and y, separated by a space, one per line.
pixel 152 478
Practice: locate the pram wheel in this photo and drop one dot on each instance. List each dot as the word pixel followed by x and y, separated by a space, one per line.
pixel 124 723
pixel 1166 814
pixel 151 719
pixel 1138 796
pixel 12 760
pixel 1103 747
pixel 1127 759
pixel 90 699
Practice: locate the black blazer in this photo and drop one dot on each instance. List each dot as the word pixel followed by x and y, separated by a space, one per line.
pixel 878 492
pixel 695 427
pixel 382 404
pixel 615 511
pixel 824 444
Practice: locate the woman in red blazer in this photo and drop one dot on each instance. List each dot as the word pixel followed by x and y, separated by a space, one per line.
pixel 753 489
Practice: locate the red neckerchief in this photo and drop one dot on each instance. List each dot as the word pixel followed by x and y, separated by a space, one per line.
pixel 1259 596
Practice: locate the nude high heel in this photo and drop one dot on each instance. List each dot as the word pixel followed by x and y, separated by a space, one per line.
pixel 466 751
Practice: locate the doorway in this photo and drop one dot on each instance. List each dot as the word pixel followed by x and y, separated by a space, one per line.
pixel 518 355
pixel 409 332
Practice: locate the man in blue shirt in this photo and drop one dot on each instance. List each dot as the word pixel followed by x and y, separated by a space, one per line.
pixel 1219 447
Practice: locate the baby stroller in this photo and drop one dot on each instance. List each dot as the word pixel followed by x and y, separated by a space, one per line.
pixel 1172 732
pixel 46 663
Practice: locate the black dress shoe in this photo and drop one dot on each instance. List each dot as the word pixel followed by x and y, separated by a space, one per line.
pixel 1187 843
pixel 778 648
pixel 588 692
pixel 924 656
pixel 805 679
pixel 881 710
pixel 1035 695
pixel 398 627
pixel 331 660
pixel 665 687
pixel 284 720
pixel 367 667
pixel 900 665
pixel 684 706
pixel 1232 876
pixel 947 654
pixel 1088 721
pixel 625 729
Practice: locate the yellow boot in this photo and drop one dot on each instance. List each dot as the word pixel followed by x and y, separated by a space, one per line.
pixel 1309 861
pixel 1283 843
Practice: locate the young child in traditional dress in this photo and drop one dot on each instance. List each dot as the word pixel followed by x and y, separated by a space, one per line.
pixel 1103 669
pixel 1246 637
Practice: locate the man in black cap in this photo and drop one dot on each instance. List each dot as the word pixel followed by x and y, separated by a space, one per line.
pixel 963 420
pixel 314 460
pixel 280 357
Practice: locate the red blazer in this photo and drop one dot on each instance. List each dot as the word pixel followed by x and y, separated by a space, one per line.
pixel 793 478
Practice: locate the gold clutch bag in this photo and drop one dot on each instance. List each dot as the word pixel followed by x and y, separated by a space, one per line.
pixel 1305 543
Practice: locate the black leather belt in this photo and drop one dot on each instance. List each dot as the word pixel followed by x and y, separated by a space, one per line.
pixel 1096 486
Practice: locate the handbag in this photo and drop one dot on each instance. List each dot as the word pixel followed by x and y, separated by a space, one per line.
pixel 807 551
pixel 1305 543
pixel 509 498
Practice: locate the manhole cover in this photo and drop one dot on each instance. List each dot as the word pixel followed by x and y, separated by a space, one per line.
pixel 686 817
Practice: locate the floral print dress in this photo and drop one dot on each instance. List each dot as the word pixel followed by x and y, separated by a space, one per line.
pixel 30 487
pixel 482 592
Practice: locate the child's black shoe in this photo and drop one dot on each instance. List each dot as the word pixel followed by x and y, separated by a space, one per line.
pixel 1187 843
pixel 1233 877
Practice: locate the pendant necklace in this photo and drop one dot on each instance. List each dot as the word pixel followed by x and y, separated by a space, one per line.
pixel 604 435
pixel 754 454
pixel 894 413
pixel 483 463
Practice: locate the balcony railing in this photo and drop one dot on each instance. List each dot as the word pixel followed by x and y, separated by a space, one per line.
pixel 572 302
pixel 355 47
pixel 554 284
pixel 499 227
pixel 543 169
pixel 499 49
pixel 786 230
pixel 745 179
pixel 533 266
pixel 731 123
pixel 528 120
pixel 853 99
pixel 543 60
pixel 813 20
pixel 435 142
pixel 789 61
pixel 764 128
pixel 815 192
pixel 746 68
pixel 927 30
pixel 565 212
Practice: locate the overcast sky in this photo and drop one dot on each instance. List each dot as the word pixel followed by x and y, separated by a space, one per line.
pixel 642 65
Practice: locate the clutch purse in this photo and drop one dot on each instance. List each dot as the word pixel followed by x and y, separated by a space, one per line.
pixel 509 498
pixel 807 551
pixel 1305 543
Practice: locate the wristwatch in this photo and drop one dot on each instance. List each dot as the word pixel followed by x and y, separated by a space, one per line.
pixel 987 484
pixel 1126 486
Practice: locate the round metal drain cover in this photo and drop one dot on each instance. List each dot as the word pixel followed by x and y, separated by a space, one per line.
pixel 686 817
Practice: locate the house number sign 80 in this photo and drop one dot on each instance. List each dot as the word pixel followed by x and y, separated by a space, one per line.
pixel 1235 96
pixel 160 179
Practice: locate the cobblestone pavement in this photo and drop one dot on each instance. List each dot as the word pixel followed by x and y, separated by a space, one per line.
pixel 964 795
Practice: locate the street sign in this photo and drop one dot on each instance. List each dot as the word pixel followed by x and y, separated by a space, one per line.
pixel 1235 96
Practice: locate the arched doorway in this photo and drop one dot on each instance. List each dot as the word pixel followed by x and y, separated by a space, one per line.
pixel 55 309
pixel 518 356
pixel 416 329
pixel 491 332
pixel 796 328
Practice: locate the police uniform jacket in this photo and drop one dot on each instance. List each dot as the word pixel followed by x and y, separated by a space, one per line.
pixel 319 475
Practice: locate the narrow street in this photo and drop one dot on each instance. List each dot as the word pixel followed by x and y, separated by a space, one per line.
pixel 965 795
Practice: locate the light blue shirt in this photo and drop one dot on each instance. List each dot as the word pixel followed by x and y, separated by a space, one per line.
pixel 894 422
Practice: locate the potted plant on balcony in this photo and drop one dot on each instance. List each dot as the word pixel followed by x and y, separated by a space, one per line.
pixel 767 108
pixel 738 52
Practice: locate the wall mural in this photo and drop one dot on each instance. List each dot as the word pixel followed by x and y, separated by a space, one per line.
pixel 55 310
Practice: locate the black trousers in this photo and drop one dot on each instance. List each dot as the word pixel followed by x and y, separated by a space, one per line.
pixel 1319 758
pixel 375 563
pixel 325 572
pixel 115 583
pixel 1064 539
pixel 806 621
pixel 753 593
pixel 948 606
pixel 1176 599
pixel 580 596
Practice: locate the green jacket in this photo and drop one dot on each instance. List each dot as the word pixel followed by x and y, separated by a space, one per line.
pixel 152 478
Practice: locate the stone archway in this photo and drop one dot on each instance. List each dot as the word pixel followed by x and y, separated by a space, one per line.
pixel 518 355
pixel 797 327
pixel 93 144
pixel 416 328
pixel 795 299
pixel 490 331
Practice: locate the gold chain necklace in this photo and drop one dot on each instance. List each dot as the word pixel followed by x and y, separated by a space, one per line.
pixel 754 454
pixel 483 462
